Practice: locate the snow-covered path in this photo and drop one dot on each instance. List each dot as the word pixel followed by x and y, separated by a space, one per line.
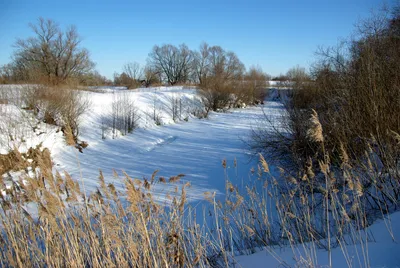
pixel 195 148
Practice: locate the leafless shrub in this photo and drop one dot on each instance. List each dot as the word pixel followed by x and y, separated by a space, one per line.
pixel 57 105
pixel 174 107
pixel 131 77
pixel 123 115
pixel 155 113
pixel 355 91
pixel 134 72
pixel 150 76
pixel 220 75
pixel 252 89
pixel 215 100
pixel 267 138
pixel 92 79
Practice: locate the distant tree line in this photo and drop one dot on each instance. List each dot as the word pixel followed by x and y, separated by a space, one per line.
pixel 172 65
pixel 53 55
pixel 219 73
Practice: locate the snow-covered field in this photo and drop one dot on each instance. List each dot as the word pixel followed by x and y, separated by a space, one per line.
pixel 191 146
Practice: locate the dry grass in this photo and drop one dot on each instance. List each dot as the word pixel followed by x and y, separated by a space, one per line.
pixel 15 161
pixel 112 228
pixel 326 202
pixel 321 207
pixel 356 92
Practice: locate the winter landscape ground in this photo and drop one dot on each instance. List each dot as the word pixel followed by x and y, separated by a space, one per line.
pixel 195 147
pixel 190 146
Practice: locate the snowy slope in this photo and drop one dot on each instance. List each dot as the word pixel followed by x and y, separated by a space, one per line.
pixel 195 148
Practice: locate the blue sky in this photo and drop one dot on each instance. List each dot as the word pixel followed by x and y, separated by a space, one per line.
pixel 275 35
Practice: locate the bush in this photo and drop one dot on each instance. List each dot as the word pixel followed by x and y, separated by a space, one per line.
pixel 342 131
pixel 356 92
pixel 215 100
pixel 174 107
pixel 57 105
pixel 122 117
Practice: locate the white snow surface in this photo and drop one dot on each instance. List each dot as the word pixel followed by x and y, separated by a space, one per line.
pixel 195 148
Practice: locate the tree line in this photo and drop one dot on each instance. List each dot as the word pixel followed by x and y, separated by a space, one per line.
pixel 55 56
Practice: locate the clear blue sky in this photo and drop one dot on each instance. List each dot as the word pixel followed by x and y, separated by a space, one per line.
pixel 275 34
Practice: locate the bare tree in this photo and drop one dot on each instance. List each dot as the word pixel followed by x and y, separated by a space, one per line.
pixel 224 64
pixel 53 53
pixel 297 77
pixel 255 85
pixel 201 64
pixel 15 72
pixel 134 72
pixel 297 73
pixel 94 78
pixel 122 79
pixel 221 77
pixel 6 73
pixel 171 61
pixel 150 76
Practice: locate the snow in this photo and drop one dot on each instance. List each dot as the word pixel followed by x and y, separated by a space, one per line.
pixel 195 148
pixel 105 89
pixel 20 129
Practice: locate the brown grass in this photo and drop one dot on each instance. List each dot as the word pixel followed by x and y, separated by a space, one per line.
pixel 15 161
pixel 126 227
pixel 355 93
